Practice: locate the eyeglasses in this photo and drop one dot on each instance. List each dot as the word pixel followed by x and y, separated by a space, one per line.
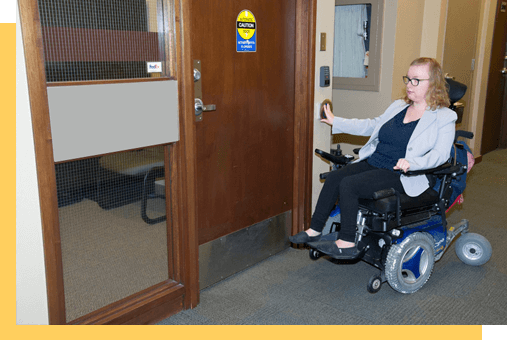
pixel 414 81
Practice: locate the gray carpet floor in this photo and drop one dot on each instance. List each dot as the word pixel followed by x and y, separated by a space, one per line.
pixel 291 289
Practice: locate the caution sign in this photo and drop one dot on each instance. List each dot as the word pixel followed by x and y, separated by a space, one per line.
pixel 246 32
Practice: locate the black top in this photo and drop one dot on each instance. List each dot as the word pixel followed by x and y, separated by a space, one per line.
pixel 393 140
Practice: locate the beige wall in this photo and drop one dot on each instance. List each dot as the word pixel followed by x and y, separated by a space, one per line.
pixel 433 28
pixel 409 24
pixel 31 294
pixel 322 131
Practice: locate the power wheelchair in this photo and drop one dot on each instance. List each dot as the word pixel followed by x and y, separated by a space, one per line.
pixel 403 236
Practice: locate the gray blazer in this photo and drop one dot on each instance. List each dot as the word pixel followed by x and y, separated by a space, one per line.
pixel 428 147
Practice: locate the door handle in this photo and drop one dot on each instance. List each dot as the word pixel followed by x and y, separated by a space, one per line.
pixel 448 76
pixel 200 107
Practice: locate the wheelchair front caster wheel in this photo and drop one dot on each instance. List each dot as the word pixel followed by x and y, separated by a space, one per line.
pixel 473 249
pixel 315 254
pixel 374 284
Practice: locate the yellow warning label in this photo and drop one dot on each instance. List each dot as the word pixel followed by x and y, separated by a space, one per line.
pixel 246 24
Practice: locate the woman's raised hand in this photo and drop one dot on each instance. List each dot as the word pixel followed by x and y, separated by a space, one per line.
pixel 329 115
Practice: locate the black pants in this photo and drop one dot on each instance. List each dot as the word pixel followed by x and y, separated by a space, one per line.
pixel 354 181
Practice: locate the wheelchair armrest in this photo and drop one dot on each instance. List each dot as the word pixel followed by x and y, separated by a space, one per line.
pixel 444 169
pixel 377 195
pixel 333 158
pixel 324 175
pixel 454 170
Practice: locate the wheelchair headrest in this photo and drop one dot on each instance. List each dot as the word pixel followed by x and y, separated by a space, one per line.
pixel 456 90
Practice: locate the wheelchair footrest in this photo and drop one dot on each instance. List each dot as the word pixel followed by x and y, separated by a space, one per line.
pixel 352 255
pixel 347 254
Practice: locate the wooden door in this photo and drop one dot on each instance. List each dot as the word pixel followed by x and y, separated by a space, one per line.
pixel 494 110
pixel 245 147
pixel 459 47
pixel 251 152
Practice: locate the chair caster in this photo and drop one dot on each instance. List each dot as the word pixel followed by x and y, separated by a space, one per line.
pixel 315 254
pixel 374 284
pixel 473 249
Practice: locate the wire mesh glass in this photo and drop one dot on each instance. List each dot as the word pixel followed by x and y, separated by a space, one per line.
pixel 105 39
pixel 112 214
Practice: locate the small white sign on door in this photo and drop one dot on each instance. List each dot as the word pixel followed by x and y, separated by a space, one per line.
pixel 154 66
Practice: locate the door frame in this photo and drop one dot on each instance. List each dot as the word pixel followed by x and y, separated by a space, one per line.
pixel 496 63
pixel 181 291
pixel 306 16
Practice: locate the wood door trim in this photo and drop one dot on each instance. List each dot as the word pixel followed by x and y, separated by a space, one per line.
pixel 39 106
pixel 188 253
pixel 306 11
pixel 133 308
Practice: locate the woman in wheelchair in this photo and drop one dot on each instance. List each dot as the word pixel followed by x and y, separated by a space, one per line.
pixel 415 133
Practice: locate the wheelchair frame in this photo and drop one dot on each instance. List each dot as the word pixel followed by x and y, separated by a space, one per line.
pixel 404 244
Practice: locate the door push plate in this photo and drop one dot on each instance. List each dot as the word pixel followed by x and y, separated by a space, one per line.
pixel 198 104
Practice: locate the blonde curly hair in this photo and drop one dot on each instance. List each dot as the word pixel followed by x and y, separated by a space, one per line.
pixel 438 93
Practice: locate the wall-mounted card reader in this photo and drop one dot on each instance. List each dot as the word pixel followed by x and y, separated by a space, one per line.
pixel 325 77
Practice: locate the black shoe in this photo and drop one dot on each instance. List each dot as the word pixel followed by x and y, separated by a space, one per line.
pixel 303 237
pixel 330 248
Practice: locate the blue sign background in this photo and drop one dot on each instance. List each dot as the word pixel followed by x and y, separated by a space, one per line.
pixel 246 45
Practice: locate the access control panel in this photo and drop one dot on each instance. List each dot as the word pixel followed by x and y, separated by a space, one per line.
pixel 325 77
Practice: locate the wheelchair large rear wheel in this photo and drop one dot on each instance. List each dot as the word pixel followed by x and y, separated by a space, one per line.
pixel 409 264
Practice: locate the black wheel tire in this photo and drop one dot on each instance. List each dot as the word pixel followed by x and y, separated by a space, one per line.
pixel 314 254
pixel 374 284
pixel 473 249
pixel 409 264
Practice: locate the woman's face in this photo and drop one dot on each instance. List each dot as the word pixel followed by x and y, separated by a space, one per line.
pixel 417 94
